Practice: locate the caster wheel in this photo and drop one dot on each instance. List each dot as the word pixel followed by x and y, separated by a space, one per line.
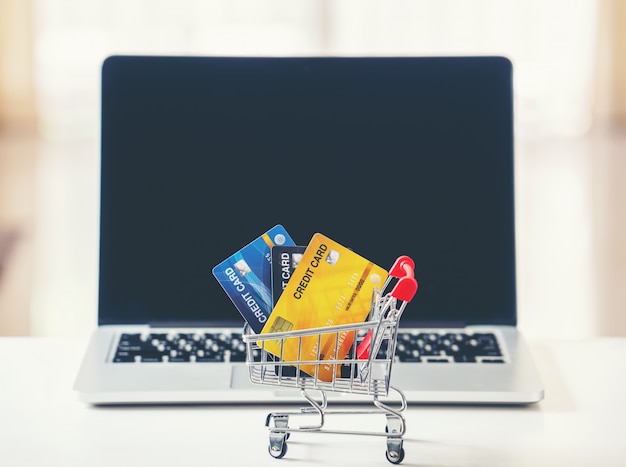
pixel 278 452
pixel 395 458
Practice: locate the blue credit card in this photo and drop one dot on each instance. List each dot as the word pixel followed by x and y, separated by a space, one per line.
pixel 246 276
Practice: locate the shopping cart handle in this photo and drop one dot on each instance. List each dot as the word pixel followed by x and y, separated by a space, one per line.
pixel 403 267
pixel 405 289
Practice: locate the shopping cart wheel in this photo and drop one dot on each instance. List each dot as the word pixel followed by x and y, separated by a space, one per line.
pixel 395 451
pixel 395 457
pixel 278 445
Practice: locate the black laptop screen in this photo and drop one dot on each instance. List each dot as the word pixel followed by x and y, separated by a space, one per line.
pixel 387 156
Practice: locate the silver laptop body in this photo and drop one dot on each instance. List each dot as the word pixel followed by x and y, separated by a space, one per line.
pixel 388 156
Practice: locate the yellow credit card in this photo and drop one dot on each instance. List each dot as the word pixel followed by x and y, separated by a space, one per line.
pixel 332 285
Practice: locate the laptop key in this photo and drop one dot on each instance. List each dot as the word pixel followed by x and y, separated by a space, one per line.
pixel 123 357
pixel 465 359
pixel 210 359
pixel 151 358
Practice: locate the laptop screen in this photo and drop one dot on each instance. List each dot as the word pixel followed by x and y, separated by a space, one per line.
pixel 387 156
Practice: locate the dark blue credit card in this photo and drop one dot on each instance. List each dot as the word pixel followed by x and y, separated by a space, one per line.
pixel 246 276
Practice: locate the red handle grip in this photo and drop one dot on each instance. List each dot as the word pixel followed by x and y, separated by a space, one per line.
pixel 405 289
pixel 403 267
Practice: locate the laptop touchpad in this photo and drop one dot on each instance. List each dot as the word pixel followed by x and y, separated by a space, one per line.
pixel 195 377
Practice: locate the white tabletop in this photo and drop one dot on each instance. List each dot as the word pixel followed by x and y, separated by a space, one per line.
pixel 581 422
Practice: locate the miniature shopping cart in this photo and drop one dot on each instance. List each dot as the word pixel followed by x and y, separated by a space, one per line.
pixel 365 370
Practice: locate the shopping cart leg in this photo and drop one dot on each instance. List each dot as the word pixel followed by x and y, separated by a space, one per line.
pixel 394 425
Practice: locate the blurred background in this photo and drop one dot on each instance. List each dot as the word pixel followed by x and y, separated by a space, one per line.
pixel 569 60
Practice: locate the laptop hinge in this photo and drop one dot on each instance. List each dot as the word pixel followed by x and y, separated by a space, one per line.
pixel 433 324
pixel 189 324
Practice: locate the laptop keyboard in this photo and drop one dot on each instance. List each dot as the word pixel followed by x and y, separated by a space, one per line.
pixel 449 347
pixel 425 347
pixel 181 347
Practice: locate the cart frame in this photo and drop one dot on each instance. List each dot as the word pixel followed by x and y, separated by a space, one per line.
pixel 366 370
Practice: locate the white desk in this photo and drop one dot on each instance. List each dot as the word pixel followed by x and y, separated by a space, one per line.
pixel 581 422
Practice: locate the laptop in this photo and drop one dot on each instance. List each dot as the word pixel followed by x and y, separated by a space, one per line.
pixel 387 156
